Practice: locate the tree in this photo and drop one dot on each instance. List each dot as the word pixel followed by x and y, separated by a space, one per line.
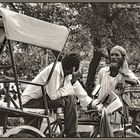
pixel 57 13
pixel 109 24
pixel 94 27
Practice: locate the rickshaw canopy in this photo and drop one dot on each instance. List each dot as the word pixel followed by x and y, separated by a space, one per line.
pixel 26 29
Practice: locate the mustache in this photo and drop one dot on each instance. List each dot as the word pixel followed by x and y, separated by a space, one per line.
pixel 113 60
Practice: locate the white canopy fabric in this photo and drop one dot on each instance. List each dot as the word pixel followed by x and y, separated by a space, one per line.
pixel 22 28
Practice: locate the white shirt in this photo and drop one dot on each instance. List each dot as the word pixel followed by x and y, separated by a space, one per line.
pixel 108 83
pixel 57 87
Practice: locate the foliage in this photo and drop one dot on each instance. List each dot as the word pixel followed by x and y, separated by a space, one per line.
pixel 91 25
pixel 111 23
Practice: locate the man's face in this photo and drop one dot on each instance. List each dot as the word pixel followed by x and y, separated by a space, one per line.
pixel 116 58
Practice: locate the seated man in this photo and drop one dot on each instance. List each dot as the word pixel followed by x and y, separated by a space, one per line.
pixel 62 86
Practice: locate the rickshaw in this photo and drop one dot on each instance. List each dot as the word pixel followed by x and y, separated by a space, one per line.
pixel 21 28
pixel 25 29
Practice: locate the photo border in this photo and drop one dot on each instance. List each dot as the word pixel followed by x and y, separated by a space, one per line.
pixel 61 1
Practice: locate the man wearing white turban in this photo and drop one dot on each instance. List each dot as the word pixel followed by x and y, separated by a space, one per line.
pixel 117 73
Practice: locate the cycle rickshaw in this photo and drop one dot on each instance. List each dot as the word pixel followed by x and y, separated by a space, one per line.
pixel 21 28
pixel 25 29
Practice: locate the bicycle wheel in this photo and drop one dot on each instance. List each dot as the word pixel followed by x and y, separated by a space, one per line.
pixel 24 131
pixel 120 134
pixel 22 135
pixel 57 129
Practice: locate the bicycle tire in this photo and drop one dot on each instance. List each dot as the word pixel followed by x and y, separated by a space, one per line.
pixel 120 133
pixel 24 131
pixel 22 135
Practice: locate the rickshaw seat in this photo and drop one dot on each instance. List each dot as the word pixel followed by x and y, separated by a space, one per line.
pixel 12 112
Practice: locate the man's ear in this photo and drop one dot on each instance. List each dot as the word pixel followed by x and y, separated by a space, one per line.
pixel 73 69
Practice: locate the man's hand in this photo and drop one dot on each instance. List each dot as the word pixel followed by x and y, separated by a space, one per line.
pixel 131 81
pixel 96 105
pixel 95 102
pixel 99 107
pixel 75 76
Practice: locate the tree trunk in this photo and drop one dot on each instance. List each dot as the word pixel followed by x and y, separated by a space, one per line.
pixel 90 83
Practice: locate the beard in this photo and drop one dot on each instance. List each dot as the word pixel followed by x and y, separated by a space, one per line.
pixel 114 65
pixel 114 69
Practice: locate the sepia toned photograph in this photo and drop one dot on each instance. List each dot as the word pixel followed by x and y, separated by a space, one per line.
pixel 69 69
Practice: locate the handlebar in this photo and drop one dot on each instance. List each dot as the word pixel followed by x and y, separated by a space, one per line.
pixel 90 111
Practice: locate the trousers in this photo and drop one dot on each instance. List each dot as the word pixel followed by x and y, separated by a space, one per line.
pixel 70 112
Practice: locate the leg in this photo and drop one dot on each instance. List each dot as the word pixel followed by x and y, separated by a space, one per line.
pixel 70 116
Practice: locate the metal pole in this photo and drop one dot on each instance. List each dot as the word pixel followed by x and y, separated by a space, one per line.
pixel 15 74
pixel 46 109
pixel 53 67
pixel 51 72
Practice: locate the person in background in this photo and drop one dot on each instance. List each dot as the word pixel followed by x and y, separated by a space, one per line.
pixel 113 78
